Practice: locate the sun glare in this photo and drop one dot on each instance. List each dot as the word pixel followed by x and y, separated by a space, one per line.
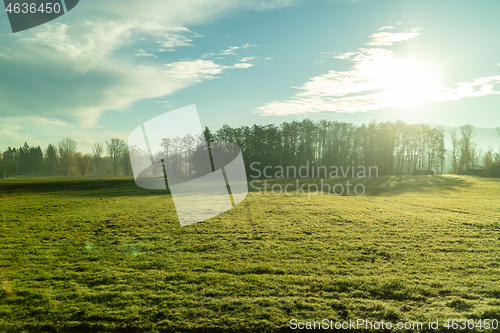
pixel 410 84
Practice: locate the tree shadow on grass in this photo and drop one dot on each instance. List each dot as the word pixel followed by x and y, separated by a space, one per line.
pixel 382 186
pixel 95 187
pixel 121 187
pixel 397 185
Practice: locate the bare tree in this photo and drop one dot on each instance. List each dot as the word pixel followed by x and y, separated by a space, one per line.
pixel 97 151
pixel 435 149
pixel 467 155
pixel 83 163
pixel 125 160
pixel 67 149
pixel 454 148
pixel 68 145
pixel 488 158
pixel 188 147
pixel 115 150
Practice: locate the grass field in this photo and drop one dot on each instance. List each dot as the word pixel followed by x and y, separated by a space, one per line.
pixel 82 255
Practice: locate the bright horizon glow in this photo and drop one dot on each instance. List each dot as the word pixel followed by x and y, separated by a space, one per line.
pixel 378 78
pixel 410 84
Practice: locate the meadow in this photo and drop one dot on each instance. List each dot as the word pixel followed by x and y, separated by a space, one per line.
pixel 102 255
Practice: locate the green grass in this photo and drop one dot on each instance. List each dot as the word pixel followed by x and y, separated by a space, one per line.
pixel 103 255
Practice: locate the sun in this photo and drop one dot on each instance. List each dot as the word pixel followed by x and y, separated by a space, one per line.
pixel 409 84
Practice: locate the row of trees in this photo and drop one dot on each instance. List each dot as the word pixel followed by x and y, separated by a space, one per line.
pixel 466 158
pixel 394 147
pixel 63 159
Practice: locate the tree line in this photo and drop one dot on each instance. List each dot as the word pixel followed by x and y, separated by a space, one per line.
pixel 395 148
pixel 63 159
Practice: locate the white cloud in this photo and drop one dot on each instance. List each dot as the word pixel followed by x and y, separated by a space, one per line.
pixel 165 103
pixel 379 78
pixel 242 65
pixel 75 73
pixel 197 70
pixel 388 38
pixel 207 55
pixel 336 55
pixel 386 28
pixel 345 56
pixel 143 53
pixel 479 87
pixel 247 59
pixel 232 49
pixel 193 70
pixel 174 40
pixel 333 92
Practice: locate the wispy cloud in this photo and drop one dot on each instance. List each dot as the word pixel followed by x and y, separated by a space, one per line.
pixel 177 37
pixel 340 92
pixel 344 56
pixel 242 65
pixel 193 70
pixel 207 55
pixel 378 78
pixel 165 103
pixel 143 53
pixel 199 69
pixel 386 28
pixel 478 87
pixel 247 59
pixel 232 49
pixel 389 38
pixel 78 72
pixel 82 64
pixel 87 66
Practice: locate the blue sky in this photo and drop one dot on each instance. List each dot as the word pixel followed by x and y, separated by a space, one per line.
pixel 108 66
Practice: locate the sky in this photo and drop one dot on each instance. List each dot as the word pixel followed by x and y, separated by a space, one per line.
pixel 106 67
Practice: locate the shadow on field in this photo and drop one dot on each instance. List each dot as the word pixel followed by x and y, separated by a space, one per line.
pixel 118 187
pixel 395 185
pixel 385 185
pixel 105 187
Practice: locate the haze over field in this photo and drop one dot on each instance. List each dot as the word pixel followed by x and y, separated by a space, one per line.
pixel 106 67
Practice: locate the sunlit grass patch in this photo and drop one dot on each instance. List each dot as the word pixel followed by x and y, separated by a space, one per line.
pixel 75 258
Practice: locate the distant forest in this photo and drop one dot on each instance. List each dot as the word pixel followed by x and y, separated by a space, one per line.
pixel 396 148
